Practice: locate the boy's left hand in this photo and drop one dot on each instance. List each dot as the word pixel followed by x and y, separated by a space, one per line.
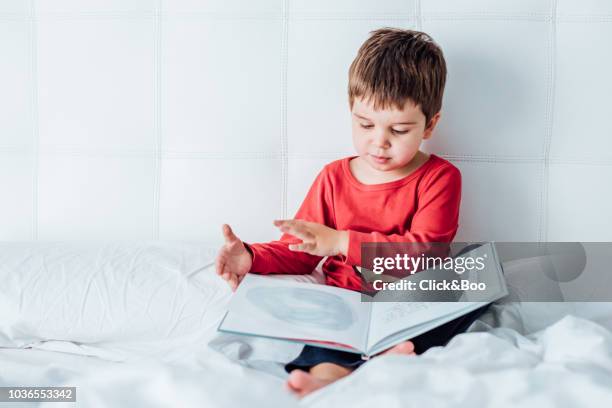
pixel 317 239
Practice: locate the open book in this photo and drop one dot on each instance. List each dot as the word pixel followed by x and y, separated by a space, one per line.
pixel 332 317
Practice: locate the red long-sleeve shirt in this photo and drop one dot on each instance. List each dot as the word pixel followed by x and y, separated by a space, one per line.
pixel 421 207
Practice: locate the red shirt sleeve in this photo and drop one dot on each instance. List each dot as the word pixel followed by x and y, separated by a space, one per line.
pixel 436 219
pixel 275 256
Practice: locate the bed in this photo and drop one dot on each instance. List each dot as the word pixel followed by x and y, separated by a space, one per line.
pixel 101 338
pixel 132 130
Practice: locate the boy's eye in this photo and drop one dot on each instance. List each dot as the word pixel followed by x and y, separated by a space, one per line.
pixel 400 132
pixel 366 126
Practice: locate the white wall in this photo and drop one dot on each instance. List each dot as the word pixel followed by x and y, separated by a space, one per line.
pixel 163 119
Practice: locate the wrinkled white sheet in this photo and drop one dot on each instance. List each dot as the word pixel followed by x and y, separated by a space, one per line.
pixel 567 364
pixel 211 380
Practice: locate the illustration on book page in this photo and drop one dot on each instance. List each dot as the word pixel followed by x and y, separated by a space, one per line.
pixel 302 306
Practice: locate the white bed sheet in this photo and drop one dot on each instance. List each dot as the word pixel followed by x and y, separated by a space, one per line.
pixel 569 363
pixel 211 380
pixel 205 369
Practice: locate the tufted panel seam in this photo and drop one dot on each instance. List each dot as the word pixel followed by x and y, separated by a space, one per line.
pixel 550 108
pixel 157 119
pixel 34 108
pixel 283 109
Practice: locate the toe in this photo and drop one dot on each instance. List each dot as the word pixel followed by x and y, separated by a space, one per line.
pixel 297 379
pixel 406 348
pixel 302 383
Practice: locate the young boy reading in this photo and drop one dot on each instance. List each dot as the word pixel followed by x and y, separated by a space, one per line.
pixel 389 192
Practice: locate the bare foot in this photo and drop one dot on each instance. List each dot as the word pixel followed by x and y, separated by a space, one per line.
pixel 405 348
pixel 302 383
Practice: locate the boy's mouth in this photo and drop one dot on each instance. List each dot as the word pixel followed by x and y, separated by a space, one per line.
pixel 379 159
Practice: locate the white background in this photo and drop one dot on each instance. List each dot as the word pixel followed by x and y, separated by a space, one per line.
pixel 164 119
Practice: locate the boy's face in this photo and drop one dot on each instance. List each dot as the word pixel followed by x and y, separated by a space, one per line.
pixel 388 139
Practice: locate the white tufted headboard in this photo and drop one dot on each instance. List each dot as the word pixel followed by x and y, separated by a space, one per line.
pixel 139 119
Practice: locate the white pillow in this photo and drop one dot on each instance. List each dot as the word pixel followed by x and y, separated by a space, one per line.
pixel 108 291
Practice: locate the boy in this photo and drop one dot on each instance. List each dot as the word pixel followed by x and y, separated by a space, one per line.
pixel 390 192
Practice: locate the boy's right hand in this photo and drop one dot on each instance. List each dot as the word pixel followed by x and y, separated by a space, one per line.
pixel 233 261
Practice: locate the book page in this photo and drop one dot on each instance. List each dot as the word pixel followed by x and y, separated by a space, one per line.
pixel 391 317
pixel 408 333
pixel 270 307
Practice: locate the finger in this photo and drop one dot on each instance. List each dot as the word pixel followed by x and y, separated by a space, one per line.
pixel 303 247
pixel 279 223
pixel 298 230
pixel 219 265
pixel 226 276
pixel 228 234
pixel 233 282
pixel 282 224
pixel 294 221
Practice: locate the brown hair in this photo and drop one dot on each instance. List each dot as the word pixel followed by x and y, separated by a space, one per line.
pixel 395 65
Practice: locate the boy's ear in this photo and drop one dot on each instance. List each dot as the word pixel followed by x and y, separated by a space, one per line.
pixel 432 125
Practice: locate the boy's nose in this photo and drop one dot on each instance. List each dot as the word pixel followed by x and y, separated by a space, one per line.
pixel 380 140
